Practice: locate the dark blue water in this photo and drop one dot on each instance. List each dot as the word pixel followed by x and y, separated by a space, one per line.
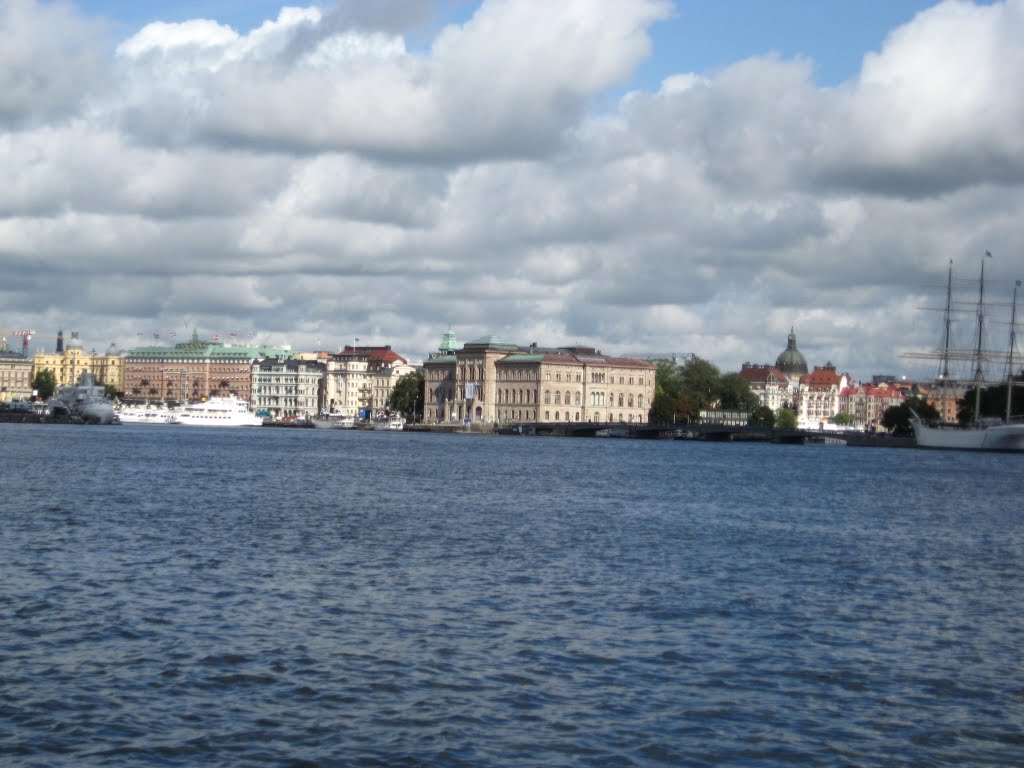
pixel 304 597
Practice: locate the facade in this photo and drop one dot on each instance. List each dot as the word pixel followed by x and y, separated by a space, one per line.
pixel 770 385
pixel 496 381
pixel 867 404
pixel 287 388
pixel 192 370
pixel 15 376
pixel 817 398
pixel 70 361
pixel 358 381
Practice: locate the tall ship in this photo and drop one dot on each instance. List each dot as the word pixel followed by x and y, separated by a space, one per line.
pixel 980 433
pixel 218 411
pixel 85 400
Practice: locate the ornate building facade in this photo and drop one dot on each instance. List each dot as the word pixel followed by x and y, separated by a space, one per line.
pixel 192 370
pixel 358 381
pixel 15 376
pixel 492 380
pixel 282 388
pixel 70 361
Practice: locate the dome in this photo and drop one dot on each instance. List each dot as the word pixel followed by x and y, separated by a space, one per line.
pixel 791 362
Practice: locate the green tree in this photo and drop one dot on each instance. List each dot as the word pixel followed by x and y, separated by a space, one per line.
pixel 44 383
pixel 700 382
pixel 761 416
pixel 993 403
pixel 844 419
pixel 407 396
pixel 897 417
pixel 785 419
pixel 734 393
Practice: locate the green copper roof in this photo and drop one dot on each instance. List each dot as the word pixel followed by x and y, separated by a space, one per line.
pixel 491 341
pixel 448 342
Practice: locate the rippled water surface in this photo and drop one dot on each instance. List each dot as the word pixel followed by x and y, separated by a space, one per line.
pixel 304 597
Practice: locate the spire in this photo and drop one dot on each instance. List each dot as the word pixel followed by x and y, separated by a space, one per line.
pixel 60 342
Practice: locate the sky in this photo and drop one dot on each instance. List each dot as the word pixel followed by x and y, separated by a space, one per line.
pixel 641 176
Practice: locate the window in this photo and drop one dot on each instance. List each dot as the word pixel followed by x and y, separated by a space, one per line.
pixel 558 399
pixel 547 398
pixel 577 400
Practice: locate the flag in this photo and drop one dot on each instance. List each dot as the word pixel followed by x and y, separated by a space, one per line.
pixel 173 334
pixel 216 337
pixel 140 333
pixel 156 335
pixel 988 254
pixel 233 334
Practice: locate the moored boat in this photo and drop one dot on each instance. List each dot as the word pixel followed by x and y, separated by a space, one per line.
pixel 227 411
pixel 85 400
pixel 394 422
pixel 334 421
pixel 145 414
pixel 980 433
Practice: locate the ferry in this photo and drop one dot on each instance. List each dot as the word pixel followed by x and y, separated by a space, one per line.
pixel 226 411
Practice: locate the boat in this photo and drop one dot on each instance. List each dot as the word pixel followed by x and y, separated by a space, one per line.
pixel 217 411
pixel 395 422
pixel 334 421
pixel 147 413
pixel 981 433
pixel 85 400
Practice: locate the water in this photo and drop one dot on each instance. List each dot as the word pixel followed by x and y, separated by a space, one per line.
pixel 307 597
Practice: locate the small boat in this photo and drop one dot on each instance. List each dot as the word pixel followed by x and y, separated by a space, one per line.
pixel 395 422
pixel 824 440
pixel 334 421
pixel 218 412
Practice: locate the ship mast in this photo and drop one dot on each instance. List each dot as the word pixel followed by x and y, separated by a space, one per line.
pixel 1009 359
pixel 978 373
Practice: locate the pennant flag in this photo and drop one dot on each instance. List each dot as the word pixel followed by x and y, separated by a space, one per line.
pixel 216 337
pixel 173 334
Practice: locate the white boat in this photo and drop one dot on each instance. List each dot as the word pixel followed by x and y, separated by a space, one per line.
pixel 981 433
pixel 395 422
pixel 218 412
pixel 148 413
pixel 334 421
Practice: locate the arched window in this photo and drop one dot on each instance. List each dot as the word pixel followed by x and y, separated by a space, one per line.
pixel 558 399
pixel 577 416
pixel 640 401
pixel 547 415
pixel 556 416
pixel 567 397
pixel 576 400
pixel 630 401
pixel 547 397
pixel 620 400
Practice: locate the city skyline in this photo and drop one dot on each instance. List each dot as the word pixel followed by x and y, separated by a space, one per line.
pixel 636 175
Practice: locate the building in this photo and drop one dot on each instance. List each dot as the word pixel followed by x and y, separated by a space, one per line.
pixel 817 399
pixel 70 361
pixel 770 385
pixel 15 376
pixel 792 362
pixel 493 380
pixel 358 381
pixel 192 370
pixel 867 404
pixel 287 388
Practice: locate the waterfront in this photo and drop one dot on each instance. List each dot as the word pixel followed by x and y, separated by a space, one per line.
pixel 334 597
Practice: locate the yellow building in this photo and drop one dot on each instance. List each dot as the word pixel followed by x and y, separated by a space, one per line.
pixel 15 376
pixel 70 361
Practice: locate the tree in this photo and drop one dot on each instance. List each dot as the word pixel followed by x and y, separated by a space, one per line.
pixel 734 393
pixel 700 382
pixel 844 419
pixel 407 396
pixel 44 383
pixel 762 416
pixel 897 417
pixel 785 419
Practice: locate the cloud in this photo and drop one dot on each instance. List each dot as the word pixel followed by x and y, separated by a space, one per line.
pixel 322 177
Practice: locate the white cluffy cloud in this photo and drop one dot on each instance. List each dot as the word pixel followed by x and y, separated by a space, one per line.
pixel 326 176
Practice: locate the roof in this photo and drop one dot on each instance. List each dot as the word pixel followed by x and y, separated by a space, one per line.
pixel 490 341
pixel 761 373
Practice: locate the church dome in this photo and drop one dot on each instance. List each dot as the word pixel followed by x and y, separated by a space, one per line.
pixel 791 362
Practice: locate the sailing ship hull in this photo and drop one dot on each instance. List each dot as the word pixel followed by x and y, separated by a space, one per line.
pixel 999 437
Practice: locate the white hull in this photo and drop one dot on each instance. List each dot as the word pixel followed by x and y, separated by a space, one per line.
pixel 218 412
pixel 334 422
pixel 146 415
pixel 998 437
pixel 396 423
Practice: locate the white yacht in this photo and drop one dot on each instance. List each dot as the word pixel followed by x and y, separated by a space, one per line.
pixel 395 422
pixel 148 413
pixel 218 412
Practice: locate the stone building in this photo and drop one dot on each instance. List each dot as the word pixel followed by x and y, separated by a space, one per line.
pixel 770 385
pixel 358 381
pixel 285 388
pixel 192 370
pixel 817 399
pixel 867 404
pixel 69 361
pixel 15 376
pixel 492 380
